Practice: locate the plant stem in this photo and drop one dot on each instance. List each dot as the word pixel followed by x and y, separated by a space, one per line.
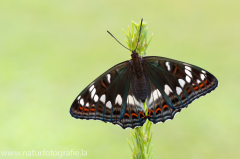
pixel 141 137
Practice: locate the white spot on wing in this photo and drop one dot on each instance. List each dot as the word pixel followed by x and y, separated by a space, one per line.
pixel 155 95
pixel 118 100
pixel 108 78
pixel 188 72
pixel 103 98
pixel 91 88
pixel 181 82
pixel 87 104
pixel 136 102
pixel 130 99
pixel 78 97
pixel 188 79
pixel 93 92
pixel 198 81
pixel 202 76
pixel 189 68
pixel 167 89
pixel 96 98
pixel 159 94
pixel 150 100
pixel 203 71
pixel 82 102
pixel 168 66
pixel 179 90
pixel 109 104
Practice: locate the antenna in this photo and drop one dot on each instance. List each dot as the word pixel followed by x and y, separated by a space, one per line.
pixel 118 41
pixel 139 34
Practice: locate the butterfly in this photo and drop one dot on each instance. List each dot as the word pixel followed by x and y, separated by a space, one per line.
pixel 166 85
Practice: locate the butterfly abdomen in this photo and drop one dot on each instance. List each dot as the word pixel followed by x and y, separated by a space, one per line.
pixel 140 83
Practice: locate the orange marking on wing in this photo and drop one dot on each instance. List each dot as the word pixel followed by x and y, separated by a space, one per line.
pixel 165 106
pixel 195 88
pixel 188 90
pixel 134 114
pixel 92 110
pixel 175 70
pixel 149 112
pixel 81 108
pixel 201 85
pixel 205 81
pixel 99 109
pixel 102 83
pixel 126 114
pixel 158 109
pixel 141 113
pixel 86 109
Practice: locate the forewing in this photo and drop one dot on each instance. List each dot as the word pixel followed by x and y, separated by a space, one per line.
pixel 172 85
pixel 106 97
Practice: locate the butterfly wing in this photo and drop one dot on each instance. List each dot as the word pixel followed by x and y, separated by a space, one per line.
pixel 172 85
pixel 104 98
pixel 134 115
pixel 109 99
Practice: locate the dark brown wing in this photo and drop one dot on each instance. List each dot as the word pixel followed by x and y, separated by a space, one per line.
pixel 111 98
pixel 105 98
pixel 173 85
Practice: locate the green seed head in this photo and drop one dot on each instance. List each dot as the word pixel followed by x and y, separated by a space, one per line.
pixel 133 35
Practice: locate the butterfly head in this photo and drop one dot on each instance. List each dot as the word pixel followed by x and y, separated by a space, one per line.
pixel 134 54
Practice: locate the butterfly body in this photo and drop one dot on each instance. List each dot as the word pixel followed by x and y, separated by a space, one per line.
pixel 140 83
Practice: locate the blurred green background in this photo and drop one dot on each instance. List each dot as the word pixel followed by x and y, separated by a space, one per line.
pixel 51 50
